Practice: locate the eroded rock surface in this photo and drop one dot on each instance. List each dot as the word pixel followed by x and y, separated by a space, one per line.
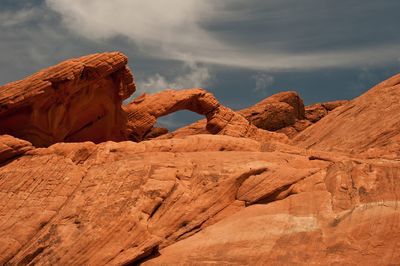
pixel 368 124
pixel 114 203
pixel 202 198
pixel 143 113
pixel 77 100
pixel 11 147
pixel 315 112
pixel 234 195
pixel 283 112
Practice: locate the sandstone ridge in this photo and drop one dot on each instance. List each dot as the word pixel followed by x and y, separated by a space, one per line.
pixel 277 183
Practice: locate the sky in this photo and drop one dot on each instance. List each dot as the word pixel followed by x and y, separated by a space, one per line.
pixel 240 50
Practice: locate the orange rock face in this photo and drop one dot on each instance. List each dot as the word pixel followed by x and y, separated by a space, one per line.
pixel 143 113
pixel 77 100
pixel 282 112
pixel 368 124
pixel 235 195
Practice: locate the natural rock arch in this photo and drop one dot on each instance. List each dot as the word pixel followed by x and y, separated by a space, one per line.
pixel 142 114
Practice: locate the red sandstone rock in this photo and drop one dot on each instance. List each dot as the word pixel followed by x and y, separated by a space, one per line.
pixel 315 112
pixel 282 112
pixel 76 100
pixel 11 147
pixel 143 112
pixel 368 124
pixel 276 112
pixel 273 113
pixel 80 100
pixel 240 197
pixel 113 203
pixel 117 203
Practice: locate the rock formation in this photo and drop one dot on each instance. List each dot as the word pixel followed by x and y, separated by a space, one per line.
pixel 368 124
pixel 80 99
pixel 235 195
pixel 315 112
pixel 283 112
pixel 77 100
pixel 143 113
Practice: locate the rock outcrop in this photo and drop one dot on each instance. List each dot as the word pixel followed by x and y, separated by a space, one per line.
pixel 283 112
pixel 11 147
pixel 143 112
pixel 316 112
pixel 81 100
pixel 276 112
pixel 198 199
pixel 114 203
pixel 77 100
pixel 236 195
pixel 368 124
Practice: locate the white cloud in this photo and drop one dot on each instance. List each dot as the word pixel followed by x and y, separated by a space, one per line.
pixel 193 75
pixel 174 29
pixel 162 28
pixel 263 81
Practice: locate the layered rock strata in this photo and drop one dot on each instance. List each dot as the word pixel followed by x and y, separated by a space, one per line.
pixel 239 196
pixel 77 100
pixel 283 112
pixel 143 113
pixel 368 124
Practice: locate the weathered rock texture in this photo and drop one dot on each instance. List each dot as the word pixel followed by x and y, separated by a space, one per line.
pixel 143 113
pixel 369 124
pixel 315 112
pixel 243 199
pixel 115 202
pixel 77 100
pixel 11 147
pixel 282 112
pixel 80 100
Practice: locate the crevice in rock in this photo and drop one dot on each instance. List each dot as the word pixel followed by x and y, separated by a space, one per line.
pixel 246 175
pixel 158 205
pixel 153 212
pixel 191 232
pixel 320 158
pixel 11 159
pixel 89 124
pixel 150 254
pixel 273 197
pixel 30 257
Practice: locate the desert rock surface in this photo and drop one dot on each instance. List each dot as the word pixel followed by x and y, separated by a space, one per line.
pixel 277 183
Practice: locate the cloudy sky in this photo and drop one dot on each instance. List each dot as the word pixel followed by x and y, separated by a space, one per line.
pixel 241 50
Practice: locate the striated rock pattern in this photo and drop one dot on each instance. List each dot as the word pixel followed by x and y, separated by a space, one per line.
pixel 11 147
pixel 76 100
pixel 283 112
pixel 114 203
pixel 143 113
pixel 236 195
pixel 203 198
pixel 368 124
pixel 315 112
pixel 275 112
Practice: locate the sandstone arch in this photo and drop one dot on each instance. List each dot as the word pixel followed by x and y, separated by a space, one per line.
pixel 142 114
